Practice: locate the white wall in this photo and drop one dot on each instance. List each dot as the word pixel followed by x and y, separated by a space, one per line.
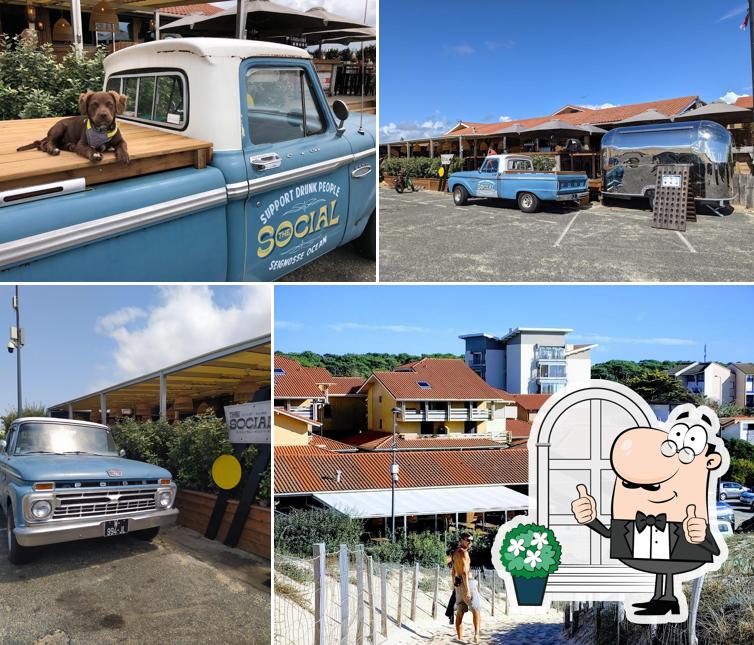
pixel 579 369
pixel 717 383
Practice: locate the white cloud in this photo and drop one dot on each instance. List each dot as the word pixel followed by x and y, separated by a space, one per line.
pixel 287 324
pixel 740 10
pixel 346 8
pixel 598 106
pixel 432 126
pixel 731 97
pixel 596 338
pixel 492 45
pixel 461 50
pixel 504 119
pixel 187 321
pixel 396 329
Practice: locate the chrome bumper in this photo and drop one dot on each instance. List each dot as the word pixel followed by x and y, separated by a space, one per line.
pixel 55 532
pixel 571 197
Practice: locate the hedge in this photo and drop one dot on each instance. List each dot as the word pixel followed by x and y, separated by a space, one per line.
pixel 421 167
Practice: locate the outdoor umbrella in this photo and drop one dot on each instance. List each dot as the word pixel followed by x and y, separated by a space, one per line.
pixel 343 36
pixel 556 127
pixel 264 19
pixel 648 116
pixel 593 129
pixel 720 112
pixel 333 20
pixel 516 128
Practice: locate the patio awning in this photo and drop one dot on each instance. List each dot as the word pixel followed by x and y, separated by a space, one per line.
pixel 721 112
pixel 425 501
pixel 648 116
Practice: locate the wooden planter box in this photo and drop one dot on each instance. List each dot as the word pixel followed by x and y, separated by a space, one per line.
pixel 426 183
pixel 196 509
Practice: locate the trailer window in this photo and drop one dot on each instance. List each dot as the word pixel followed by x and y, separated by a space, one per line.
pixel 156 97
pixel 281 105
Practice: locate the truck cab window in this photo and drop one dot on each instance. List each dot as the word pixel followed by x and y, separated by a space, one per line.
pixel 519 164
pixel 281 105
pixel 153 98
pixel 490 165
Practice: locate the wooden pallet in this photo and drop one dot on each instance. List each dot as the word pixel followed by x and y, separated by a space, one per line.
pixel 150 150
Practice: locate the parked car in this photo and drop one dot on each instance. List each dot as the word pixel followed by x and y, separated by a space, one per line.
pixel 282 180
pixel 512 176
pixel 747 526
pixel 63 480
pixel 726 530
pixel 747 497
pixel 731 490
pixel 725 513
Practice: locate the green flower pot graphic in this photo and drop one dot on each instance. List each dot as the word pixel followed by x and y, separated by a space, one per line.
pixel 530 553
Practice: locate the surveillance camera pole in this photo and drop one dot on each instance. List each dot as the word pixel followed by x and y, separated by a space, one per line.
pixel 19 344
pixel 393 472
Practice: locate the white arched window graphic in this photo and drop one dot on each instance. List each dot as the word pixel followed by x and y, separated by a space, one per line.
pixel 573 447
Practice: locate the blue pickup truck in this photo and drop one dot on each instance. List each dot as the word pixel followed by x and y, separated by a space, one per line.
pixel 511 176
pixel 288 178
pixel 64 480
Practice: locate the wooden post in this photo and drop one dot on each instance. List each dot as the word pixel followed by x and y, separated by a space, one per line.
pixel 437 591
pixel 344 608
pixel 696 594
pixel 414 589
pixel 319 594
pixel 359 594
pixel 383 599
pixel 370 596
pixel 399 610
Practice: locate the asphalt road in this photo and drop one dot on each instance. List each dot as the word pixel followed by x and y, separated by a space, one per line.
pixel 344 264
pixel 742 511
pixel 424 237
pixel 181 588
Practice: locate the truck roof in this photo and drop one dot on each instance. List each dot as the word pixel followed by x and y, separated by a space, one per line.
pixel 56 420
pixel 206 48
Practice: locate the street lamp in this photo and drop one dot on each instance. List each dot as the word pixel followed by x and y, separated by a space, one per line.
pixel 15 343
pixel 394 470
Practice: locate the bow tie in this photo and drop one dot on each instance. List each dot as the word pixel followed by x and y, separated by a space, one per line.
pixel 642 521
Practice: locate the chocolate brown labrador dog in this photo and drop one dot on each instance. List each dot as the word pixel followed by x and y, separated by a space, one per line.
pixel 90 134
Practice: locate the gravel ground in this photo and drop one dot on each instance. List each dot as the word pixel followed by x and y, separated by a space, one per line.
pixel 181 588
pixel 424 237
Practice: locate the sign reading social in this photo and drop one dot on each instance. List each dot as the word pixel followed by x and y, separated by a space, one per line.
pixel 249 422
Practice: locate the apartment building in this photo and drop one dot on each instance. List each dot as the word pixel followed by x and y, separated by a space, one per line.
pixel 742 384
pixel 709 379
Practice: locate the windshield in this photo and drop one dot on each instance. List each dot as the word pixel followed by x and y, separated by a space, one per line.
pixel 60 439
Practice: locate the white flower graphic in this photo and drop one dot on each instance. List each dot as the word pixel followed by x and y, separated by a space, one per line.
pixel 532 558
pixel 516 546
pixel 539 540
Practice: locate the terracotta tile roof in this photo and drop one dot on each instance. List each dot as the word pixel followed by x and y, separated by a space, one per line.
pixel 296 383
pixel 519 429
pixel 744 101
pixel 373 440
pixel 449 379
pixel 342 385
pixel 591 117
pixel 320 374
pixel 293 415
pixel 332 445
pixel 531 402
pixel 191 9
pixel 300 470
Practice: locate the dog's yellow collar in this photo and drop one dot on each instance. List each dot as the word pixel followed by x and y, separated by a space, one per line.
pixel 110 133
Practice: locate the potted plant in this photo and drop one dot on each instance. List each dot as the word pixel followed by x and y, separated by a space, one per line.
pixel 530 553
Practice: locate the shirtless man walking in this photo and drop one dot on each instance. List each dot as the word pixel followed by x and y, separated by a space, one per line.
pixel 467 592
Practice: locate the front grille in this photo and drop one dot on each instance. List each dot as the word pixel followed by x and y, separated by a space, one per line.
pixel 91 503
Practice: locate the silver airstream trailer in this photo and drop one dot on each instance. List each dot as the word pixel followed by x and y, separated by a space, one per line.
pixel 630 157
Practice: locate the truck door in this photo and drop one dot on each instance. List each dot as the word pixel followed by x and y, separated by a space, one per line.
pixel 487 185
pixel 297 166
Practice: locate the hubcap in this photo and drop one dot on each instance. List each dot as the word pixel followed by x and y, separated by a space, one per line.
pixel 527 201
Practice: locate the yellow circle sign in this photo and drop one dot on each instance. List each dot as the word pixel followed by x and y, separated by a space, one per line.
pixel 226 472
pixel 441 172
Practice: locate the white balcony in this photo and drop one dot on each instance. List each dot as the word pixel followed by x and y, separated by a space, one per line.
pixel 306 411
pixel 455 414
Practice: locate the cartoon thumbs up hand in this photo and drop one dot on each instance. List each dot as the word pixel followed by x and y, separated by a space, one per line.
pixel 585 507
pixel 694 528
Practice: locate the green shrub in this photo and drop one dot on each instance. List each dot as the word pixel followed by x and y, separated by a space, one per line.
pixel 387 551
pixel 29 410
pixel 421 167
pixel 542 162
pixel 428 549
pixel 297 531
pixel 33 84
pixel 741 471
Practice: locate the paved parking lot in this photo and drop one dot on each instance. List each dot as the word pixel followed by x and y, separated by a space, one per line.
pixel 424 237
pixel 743 512
pixel 180 588
pixel 344 264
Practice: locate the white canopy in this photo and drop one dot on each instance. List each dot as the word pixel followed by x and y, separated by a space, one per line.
pixel 426 501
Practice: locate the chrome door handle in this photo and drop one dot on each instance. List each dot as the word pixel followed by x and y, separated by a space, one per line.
pixel 267 161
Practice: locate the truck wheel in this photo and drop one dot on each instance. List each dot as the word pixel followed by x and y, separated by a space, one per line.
pixel 17 554
pixel 528 203
pixel 147 534
pixel 460 195
pixel 367 241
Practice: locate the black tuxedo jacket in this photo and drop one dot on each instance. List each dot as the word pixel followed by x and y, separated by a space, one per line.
pixel 621 534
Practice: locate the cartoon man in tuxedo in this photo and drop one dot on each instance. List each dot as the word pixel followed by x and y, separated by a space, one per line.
pixel 660 520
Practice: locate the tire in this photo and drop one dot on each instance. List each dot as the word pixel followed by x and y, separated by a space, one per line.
pixel 367 241
pixel 723 497
pixel 17 554
pixel 651 197
pixel 460 195
pixel 399 190
pixel 528 202
pixel 147 534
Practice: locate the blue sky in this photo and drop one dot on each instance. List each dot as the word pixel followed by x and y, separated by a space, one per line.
pixel 79 339
pixel 479 60
pixel 628 322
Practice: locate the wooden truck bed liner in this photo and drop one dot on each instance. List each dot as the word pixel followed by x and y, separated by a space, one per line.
pixel 150 151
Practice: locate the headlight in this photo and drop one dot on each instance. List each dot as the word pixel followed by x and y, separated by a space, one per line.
pixel 41 509
pixel 164 499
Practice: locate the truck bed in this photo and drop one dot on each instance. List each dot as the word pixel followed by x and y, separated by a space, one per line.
pixel 150 150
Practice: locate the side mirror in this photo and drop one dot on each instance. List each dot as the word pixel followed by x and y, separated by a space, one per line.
pixel 122 452
pixel 340 110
